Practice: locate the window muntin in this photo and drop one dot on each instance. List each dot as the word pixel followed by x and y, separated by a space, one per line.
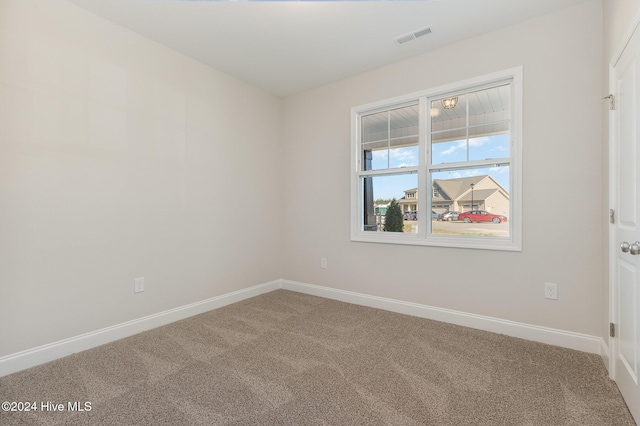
pixel 390 139
pixel 478 135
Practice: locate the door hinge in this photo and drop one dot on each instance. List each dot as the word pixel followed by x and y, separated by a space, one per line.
pixel 612 329
pixel 612 216
pixel 612 102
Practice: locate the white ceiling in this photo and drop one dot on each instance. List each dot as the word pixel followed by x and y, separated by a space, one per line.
pixel 288 47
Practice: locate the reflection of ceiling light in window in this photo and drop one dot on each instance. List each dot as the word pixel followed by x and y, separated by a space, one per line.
pixel 449 103
pixel 435 112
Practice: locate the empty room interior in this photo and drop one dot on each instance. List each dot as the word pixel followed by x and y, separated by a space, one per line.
pixel 195 173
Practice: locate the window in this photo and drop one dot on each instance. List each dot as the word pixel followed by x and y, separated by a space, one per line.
pixel 460 146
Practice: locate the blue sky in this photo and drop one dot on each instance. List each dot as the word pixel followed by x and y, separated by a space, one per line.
pixel 486 147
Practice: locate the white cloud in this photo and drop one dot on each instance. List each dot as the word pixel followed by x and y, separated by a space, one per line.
pixel 453 148
pixel 401 154
pixel 380 154
pixel 499 169
pixel 475 143
pixel 463 173
pixel 403 157
pixel 478 141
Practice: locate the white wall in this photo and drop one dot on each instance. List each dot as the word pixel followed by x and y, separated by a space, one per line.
pixel 562 59
pixel 120 158
pixel 619 17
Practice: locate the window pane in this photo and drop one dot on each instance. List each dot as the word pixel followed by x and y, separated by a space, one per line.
pixel 479 197
pixel 449 152
pixel 489 145
pixel 447 115
pixel 374 159
pixel 375 127
pixel 404 153
pixel 476 128
pixel 404 121
pixel 378 191
pixel 449 130
pixel 390 139
pixel 489 105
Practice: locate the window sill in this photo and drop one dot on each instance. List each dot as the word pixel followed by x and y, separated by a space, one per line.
pixel 486 243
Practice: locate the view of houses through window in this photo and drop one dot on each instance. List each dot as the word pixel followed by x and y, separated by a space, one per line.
pixel 459 154
pixel 449 198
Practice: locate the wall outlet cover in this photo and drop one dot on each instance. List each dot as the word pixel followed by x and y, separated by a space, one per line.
pixel 551 291
pixel 138 285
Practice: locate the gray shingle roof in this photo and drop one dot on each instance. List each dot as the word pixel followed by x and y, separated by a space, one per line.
pixel 479 195
pixel 454 188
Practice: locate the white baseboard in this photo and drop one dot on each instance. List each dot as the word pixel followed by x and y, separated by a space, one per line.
pixel 52 351
pixel 565 339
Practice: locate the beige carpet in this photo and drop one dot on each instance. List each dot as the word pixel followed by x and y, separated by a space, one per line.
pixel 285 358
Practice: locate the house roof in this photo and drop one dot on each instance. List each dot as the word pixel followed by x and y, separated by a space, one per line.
pixel 459 189
pixel 479 195
pixel 455 188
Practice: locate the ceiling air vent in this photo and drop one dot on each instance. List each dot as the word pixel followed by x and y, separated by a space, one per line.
pixel 414 35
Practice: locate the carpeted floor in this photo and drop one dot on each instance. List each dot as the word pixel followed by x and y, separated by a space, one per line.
pixel 286 358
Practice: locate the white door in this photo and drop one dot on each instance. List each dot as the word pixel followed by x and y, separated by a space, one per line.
pixel 625 259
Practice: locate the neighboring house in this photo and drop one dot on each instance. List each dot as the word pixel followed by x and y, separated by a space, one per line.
pixel 457 195
pixel 381 209
pixel 380 212
pixel 409 202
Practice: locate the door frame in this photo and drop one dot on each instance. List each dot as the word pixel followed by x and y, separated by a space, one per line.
pixel 613 198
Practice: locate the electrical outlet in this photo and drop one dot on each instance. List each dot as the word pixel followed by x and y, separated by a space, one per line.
pixel 323 263
pixel 551 291
pixel 138 285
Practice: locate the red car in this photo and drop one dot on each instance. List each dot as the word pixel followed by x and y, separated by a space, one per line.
pixel 481 216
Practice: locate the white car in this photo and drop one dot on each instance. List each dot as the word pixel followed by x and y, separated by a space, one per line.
pixel 450 216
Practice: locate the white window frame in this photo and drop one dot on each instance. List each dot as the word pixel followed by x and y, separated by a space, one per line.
pixel 424 237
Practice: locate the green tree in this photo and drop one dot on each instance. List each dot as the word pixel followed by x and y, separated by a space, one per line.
pixel 393 221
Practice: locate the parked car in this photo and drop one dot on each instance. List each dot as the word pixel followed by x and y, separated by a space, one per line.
pixel 450 216
pixel 481 216
pixel 411 215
